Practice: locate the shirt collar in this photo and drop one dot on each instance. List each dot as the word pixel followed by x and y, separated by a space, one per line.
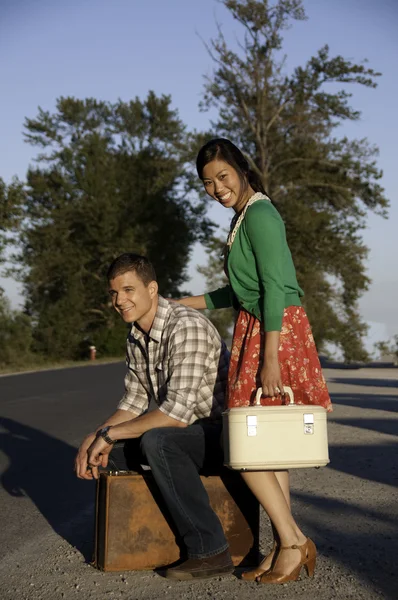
pixel 155 333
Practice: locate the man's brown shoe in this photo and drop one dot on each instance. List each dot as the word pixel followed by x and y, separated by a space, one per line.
pixel 197 568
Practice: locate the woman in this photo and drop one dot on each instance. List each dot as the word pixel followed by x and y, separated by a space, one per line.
pixel 272 344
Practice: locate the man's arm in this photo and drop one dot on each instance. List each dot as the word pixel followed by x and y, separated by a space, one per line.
pixel 138 426
pixel 133 403
pixel 81 460
pixel 99 450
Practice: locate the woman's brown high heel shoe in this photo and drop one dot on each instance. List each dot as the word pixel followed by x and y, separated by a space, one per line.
pixel 308 559
pixel 254 574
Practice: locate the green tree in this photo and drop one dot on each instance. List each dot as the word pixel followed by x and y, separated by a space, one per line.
pixel 15 335
pixel 388 349
pixel 110 179
pixel 322 184
pixel 11 201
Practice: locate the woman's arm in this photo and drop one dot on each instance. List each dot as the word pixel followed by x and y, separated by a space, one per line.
pixel 221 298
pixel 266 232
pixel 270 374
pixel 197 302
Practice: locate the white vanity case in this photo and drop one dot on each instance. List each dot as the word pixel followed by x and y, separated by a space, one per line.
pixel 271 438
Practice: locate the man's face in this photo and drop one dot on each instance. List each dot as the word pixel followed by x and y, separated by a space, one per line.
pixel 132 299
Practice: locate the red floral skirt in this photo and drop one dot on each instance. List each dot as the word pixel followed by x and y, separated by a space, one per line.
pixel 298 361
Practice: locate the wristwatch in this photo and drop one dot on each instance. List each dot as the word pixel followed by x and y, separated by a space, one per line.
pixel 104 434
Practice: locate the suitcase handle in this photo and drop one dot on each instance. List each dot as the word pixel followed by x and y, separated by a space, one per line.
pixel 288 390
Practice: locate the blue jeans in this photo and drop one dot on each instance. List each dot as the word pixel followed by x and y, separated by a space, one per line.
pixel 177 456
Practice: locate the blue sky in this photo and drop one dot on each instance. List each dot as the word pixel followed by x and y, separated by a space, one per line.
pixel 124 48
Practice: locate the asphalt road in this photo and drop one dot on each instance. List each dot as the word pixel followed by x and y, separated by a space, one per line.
pixel 350 508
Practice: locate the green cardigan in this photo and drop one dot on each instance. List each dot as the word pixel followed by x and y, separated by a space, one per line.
pixel 260 268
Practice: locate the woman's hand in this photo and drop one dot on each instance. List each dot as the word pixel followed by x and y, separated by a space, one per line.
pixel 270 376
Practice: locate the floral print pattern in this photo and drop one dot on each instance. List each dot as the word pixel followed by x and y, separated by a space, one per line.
pixel 298 360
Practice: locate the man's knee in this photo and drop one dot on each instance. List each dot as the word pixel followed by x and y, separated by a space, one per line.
pixel 158 439
pixel 151 441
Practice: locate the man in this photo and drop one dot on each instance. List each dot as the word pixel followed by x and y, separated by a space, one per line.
pixel 178 364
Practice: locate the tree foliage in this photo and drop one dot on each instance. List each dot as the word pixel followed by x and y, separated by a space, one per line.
pixel 322 184
pixel 15 335
pixel 110 179
pixel 11 199
pixel 388 349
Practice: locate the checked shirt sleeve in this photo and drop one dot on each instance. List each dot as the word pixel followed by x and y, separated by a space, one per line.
pixel 135 398
pixel 190 352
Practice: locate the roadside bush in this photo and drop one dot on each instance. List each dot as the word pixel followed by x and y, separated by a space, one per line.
pixel 15 336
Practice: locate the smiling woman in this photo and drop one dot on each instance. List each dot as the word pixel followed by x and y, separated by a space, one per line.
pixel 272 346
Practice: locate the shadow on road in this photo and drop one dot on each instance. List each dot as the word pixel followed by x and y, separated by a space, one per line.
pixel 372 401
pixel 374 462
pixel 388 426
pixel 41 468
pixel 360 536
pixel 370 557
pixel 366 382
pixel 328 363
pixel 370 462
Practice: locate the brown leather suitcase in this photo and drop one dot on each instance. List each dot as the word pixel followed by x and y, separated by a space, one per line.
pixel 134 531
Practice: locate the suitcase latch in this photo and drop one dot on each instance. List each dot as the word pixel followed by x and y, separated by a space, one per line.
pixel 251 422
pixel 308 423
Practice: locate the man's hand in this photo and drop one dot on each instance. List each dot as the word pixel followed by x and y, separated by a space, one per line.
pixel 81 460
pixel 98 454
pixel 271 380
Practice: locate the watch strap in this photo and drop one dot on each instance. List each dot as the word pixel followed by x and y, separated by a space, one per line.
pixel 104 434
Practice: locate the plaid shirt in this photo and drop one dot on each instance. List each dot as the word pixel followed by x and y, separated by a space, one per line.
pixel 182 364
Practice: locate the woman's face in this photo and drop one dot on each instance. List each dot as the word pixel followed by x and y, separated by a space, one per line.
pixel 221 182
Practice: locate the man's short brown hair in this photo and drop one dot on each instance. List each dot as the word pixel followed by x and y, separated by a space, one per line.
pixel 132 262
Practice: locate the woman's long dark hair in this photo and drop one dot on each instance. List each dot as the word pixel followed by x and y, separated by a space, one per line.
pixel 223 149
